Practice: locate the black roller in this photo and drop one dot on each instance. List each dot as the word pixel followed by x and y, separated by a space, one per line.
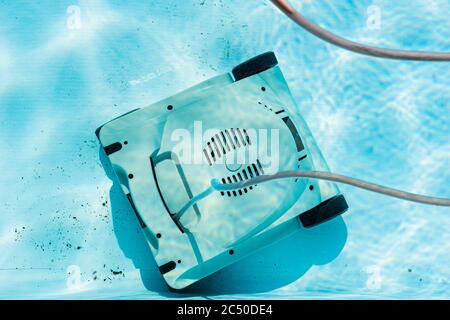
pixel 324 211
pixel 254 65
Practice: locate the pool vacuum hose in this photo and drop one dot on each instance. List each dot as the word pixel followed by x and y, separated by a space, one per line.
pixel 336 40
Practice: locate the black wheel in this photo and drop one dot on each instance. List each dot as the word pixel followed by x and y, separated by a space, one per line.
pixel 254 65
pixel 325 211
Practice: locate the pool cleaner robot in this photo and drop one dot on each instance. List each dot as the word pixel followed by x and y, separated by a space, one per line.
pixel 192 229
pixel 200 216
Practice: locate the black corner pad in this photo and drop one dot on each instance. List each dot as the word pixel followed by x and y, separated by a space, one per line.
pixel 254 65
pixel 325 211
pixel 112 148
pixel 167 267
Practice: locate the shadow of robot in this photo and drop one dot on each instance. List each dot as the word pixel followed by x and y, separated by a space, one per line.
pixel 128 232
pixel 268 269
pixel 275 266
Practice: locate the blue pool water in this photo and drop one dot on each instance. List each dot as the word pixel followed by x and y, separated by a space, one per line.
pixel 68 67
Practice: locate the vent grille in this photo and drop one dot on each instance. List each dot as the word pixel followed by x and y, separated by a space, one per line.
pixel 253 170
pixel 223 142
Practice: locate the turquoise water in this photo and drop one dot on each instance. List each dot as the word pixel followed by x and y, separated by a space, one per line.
pixel 65 233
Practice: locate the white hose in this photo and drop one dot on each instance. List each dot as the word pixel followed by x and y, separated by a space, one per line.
pixel 336 40
pixel 335 178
